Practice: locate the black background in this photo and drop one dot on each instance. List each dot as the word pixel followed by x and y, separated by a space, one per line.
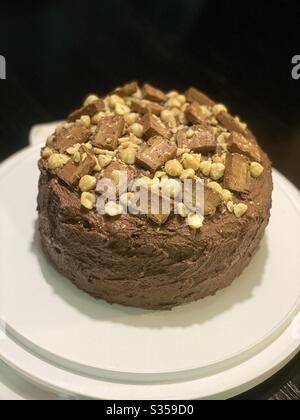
pixel 238 52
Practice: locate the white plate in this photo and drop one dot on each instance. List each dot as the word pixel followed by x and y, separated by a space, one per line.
pixel 64 339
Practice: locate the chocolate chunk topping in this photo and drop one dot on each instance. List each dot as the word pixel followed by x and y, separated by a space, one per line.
pixel 201 139
pixel 127 90
pixel 212 199
pixel 119 166
pixel 194 113
pixel 193 94
pixel 67 137
pixel 108 131
pixel 144 106
pixel 229 122
pixel 156 153
pixel 152 126
pixel 237 143
pixel 153 94
pixel 90 110
pixel 236 176
pixel 159 219
pixel 72 171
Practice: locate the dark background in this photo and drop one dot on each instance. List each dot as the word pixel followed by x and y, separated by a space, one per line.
pixel 238 52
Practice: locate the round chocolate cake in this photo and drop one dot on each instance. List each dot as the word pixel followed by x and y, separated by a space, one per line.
pixel 158 141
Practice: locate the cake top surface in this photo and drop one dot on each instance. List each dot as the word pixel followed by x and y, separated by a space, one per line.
pixel 143 140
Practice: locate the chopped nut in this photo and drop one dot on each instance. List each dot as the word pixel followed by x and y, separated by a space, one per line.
pixel 166 115
pixel 187 173
pixel 256 169
pixel 114 100
pixel 218 108
pixel 191 162
pixel 47 152
pixel 73 149
pixel 122 109
pixel 57 160
pixel 86 120
pixel 227 195
pixel 128 155
pixel 104 160
pixel 182 210
pixel 181 99
pixel 88 200
pixel 77 157
pixel 160 174
pixel 240 209
pixel 136 129
pixel 97 117
pixel 205 167
pixel 217 171
pixel 215 186
pixel 131 118
pixel 173 168
pixel 174 103
pixel 113 209
pixel 87 183
pixel 195 221
pixel 190 132
pixel 90 99
pixel 230 206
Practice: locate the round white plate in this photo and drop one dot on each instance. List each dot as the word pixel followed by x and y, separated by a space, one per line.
pixel 62 338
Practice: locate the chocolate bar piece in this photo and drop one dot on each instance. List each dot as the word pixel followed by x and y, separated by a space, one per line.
pixel 237 143
pixel 193 94
pixel 212 199
pixel 72 171
pixel 127 90
pixel 236 176
pixel 90 110
pixel 153 94
pixel 67 137
pixel 144 106
pixel 202 140
pixel 156 153
pixel 108 131
pixel 159 219
pixel 152 126
pixel 194 113
pixel 229 122
pixel 119 166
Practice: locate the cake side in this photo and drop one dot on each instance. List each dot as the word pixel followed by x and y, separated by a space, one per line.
pixel 149 262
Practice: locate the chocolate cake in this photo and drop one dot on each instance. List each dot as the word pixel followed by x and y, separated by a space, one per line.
pixel 157 141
